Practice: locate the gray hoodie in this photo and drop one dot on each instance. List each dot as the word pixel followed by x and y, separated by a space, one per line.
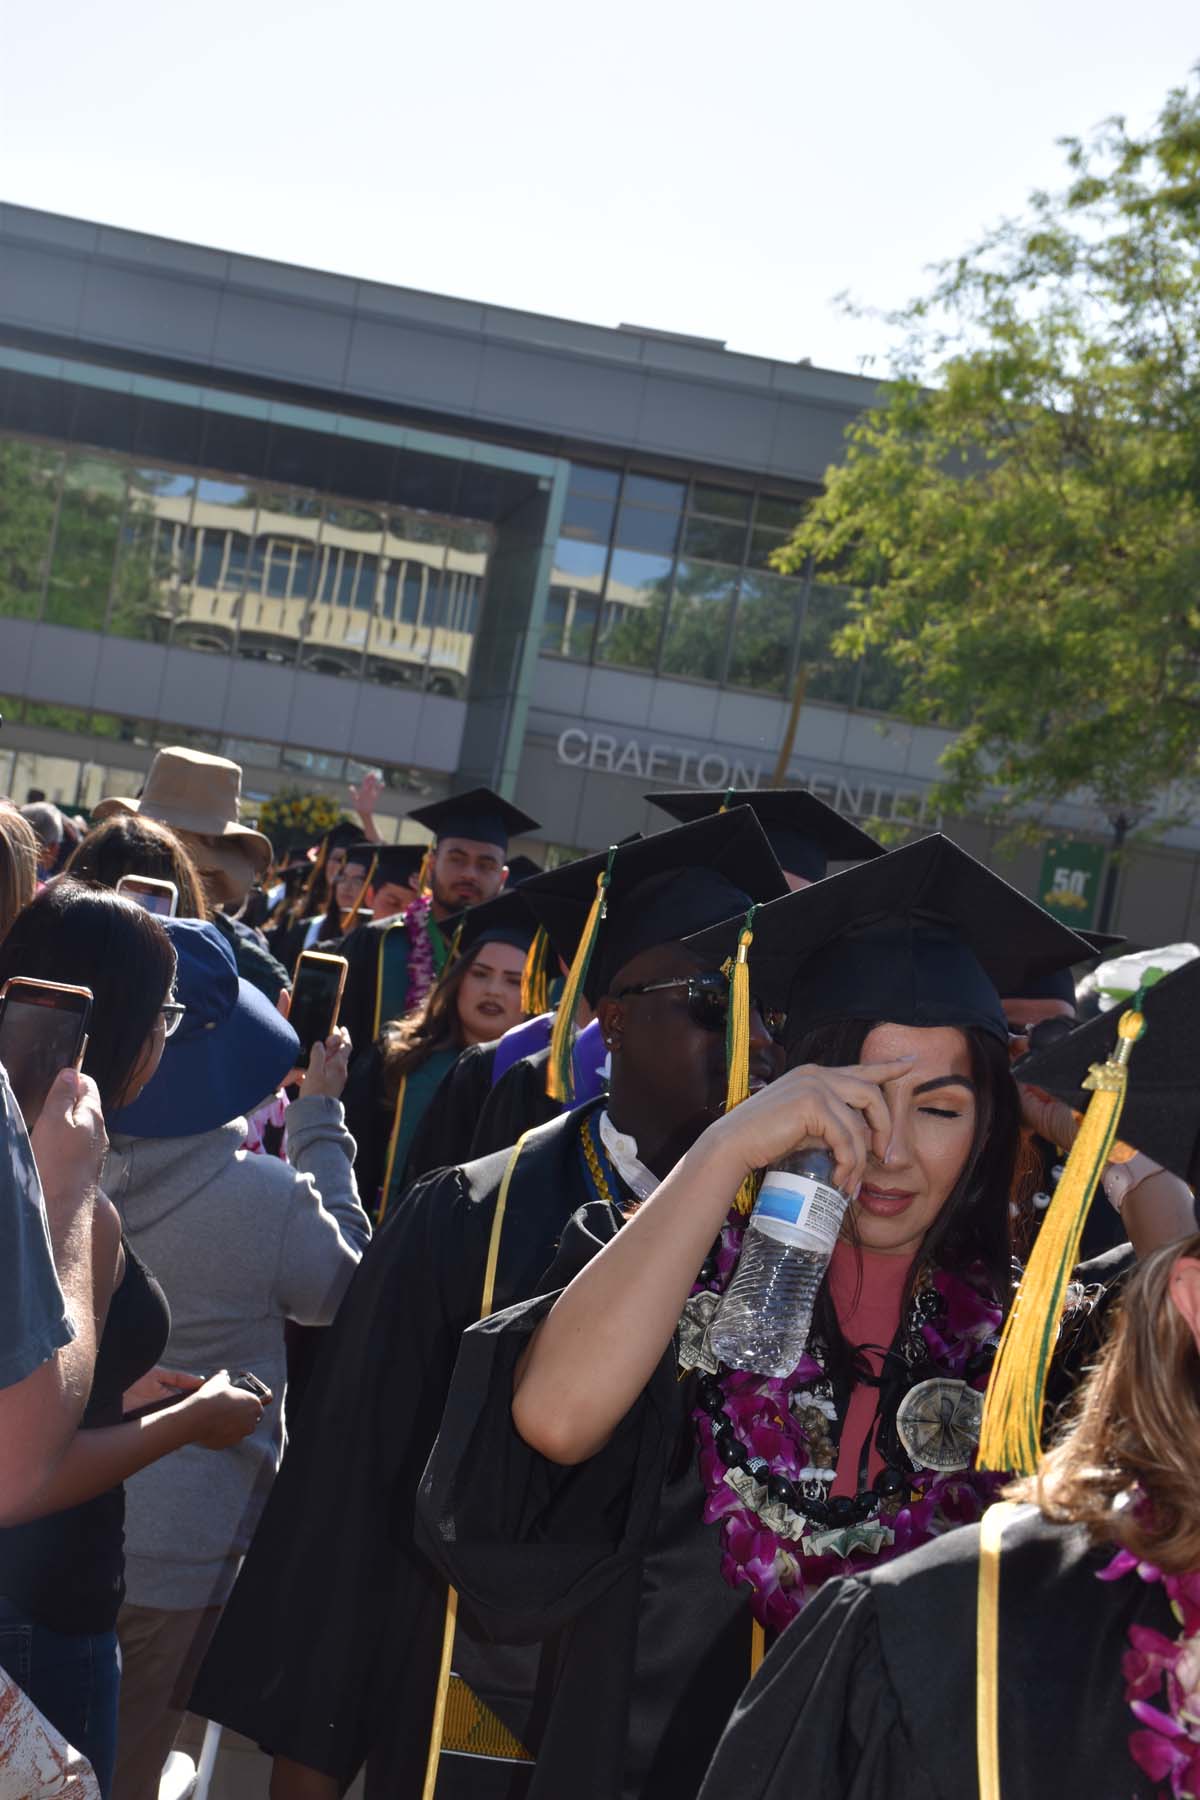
pixel 239 1243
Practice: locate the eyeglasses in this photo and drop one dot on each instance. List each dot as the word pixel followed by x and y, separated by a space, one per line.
pixel 708 1002
pixel 172 1012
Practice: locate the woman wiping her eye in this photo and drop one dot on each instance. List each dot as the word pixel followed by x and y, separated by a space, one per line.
pixel 598 1468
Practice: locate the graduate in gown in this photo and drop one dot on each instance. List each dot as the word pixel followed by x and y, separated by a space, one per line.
pixel 872 1694
pixel 330 1647
pixel 805 834
pixel 394 963
pixel 600 1476
pixel 392 1089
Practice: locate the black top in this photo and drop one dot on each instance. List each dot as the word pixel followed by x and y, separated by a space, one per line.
pixel 329 1646
pixel 67 1571
pixel 870 1695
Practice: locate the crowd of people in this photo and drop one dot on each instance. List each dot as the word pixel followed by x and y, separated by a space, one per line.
pixel 360 1386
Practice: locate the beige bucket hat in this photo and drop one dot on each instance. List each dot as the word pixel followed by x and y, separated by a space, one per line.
pixel 195 793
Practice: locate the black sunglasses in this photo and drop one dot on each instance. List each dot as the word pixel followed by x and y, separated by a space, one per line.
pixel 708 1002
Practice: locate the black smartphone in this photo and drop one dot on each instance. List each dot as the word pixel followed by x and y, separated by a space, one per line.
pixel 43 1028
pixel 316 999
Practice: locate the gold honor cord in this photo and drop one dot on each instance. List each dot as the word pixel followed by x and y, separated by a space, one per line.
pixel 758 1647
pixel 987 1650
pixel 391 1152
pixel 438 1728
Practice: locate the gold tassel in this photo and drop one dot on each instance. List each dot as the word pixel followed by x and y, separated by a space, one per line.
pixel 560 1075
pixel 727 802
pixel 737 1040
pixel 425 873
pixel 535 979
pixel 1011 1436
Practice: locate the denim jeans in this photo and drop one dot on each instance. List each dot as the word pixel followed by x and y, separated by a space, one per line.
pixel 74 1681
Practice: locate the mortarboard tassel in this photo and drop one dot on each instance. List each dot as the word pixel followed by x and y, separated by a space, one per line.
pixel 560 1075
pixel 1011 1435
pixel 535 976
pixel 425 873
pixel 737 1040
pixel 727 802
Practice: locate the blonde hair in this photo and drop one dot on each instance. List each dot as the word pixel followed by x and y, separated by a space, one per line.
pixel 18 863
pixel 1128 1467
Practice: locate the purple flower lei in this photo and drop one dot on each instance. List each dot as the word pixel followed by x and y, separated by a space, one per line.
pixel 781 1577
pixel 1167 1748
pixel 420 952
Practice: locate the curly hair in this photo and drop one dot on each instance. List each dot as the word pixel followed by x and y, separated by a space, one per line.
pixel 131 844
pixel 1126 1467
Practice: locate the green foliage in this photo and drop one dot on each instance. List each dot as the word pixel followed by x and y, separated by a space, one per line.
pixel 1018 520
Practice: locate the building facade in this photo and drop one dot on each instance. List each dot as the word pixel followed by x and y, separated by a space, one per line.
pixel 321 525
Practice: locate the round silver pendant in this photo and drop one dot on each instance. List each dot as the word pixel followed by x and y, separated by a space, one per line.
pixel 938 1423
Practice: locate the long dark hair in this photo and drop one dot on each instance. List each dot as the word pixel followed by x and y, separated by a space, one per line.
pixel 130 844
pixel 972 1231
pixel 408 1042
pixel 90 936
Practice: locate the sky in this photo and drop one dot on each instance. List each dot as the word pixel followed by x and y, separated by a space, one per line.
pixel 723 170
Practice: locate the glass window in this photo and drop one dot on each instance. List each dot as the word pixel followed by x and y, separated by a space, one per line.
pixel 587 518
pixel 721 503
pixel 640 529
pixel 215 554
pixel 576 583
pixel 781 515
pixel 879 688
pixel 152 565
pixel 763 545
pixel 715 542
pixel 603 483
pixel 85 544
pixel 648 490
pixel 635 602
pixel 337 626
pixel 427 588
pixel 28 489
pixel 698 622
pixel 764 631
pixel 829 678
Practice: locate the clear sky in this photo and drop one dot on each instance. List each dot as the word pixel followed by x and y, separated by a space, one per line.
pixel 723 169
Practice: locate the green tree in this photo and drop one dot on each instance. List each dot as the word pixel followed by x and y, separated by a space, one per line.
pixel 1018 518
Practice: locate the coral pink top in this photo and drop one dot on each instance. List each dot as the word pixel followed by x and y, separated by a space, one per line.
pixel 866 1287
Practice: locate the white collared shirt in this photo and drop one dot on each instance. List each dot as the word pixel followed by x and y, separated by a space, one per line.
pixel 622 1153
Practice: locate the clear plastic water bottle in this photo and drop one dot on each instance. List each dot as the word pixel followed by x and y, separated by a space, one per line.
pixel 764 1319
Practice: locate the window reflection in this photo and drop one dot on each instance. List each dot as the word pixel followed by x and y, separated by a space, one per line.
pixel 29 476
pixel 828 678
pixel 721 503
pixel 85 543
pixel 715 541
pixel 343 587
pixel 203 613
pixel 879 688
pixel 635 604
pixel 576 583
pixel 764 630
pixel 640 529
pixel 698 622
pixel 152 558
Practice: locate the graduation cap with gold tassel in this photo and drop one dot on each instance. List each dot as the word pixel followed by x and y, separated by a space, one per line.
pixel 737 1039
pixel 604 910
pixel 1011 1433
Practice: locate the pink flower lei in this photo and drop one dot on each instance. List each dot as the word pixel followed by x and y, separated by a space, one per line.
pixel 420 952
pixel 1167 1748
pixel 773 1418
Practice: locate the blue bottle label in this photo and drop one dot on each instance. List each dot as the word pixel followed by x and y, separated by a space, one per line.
pixel 800 1212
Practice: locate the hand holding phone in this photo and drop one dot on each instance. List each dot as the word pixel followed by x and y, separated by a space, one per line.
pixel 328 1068
pixel 43 1029
pixel 316 999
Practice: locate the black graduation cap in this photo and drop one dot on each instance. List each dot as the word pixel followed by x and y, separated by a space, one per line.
pixel 662 888
pixel 923 935
pixel 804 832
pixel 1059 984
pixel 397 863
pixel 1161 1115
pixel 480 815
pixel 504 920
pixel 520 868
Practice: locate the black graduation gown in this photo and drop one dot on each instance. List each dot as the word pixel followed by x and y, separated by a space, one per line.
pixel 870 1694
pixel 361 949
pixel 329 1647
pixel 446 1132
pixel 518 1101
pixel 613 1554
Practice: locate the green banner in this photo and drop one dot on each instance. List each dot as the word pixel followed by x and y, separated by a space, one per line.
pixel 1070 882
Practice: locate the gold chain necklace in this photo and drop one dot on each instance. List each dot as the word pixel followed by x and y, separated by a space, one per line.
pixel 596 1171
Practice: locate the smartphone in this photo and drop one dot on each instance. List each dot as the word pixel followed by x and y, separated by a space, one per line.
pixel 43 1028
pixel 161 897
pixel 252 1385
pixel 316 998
